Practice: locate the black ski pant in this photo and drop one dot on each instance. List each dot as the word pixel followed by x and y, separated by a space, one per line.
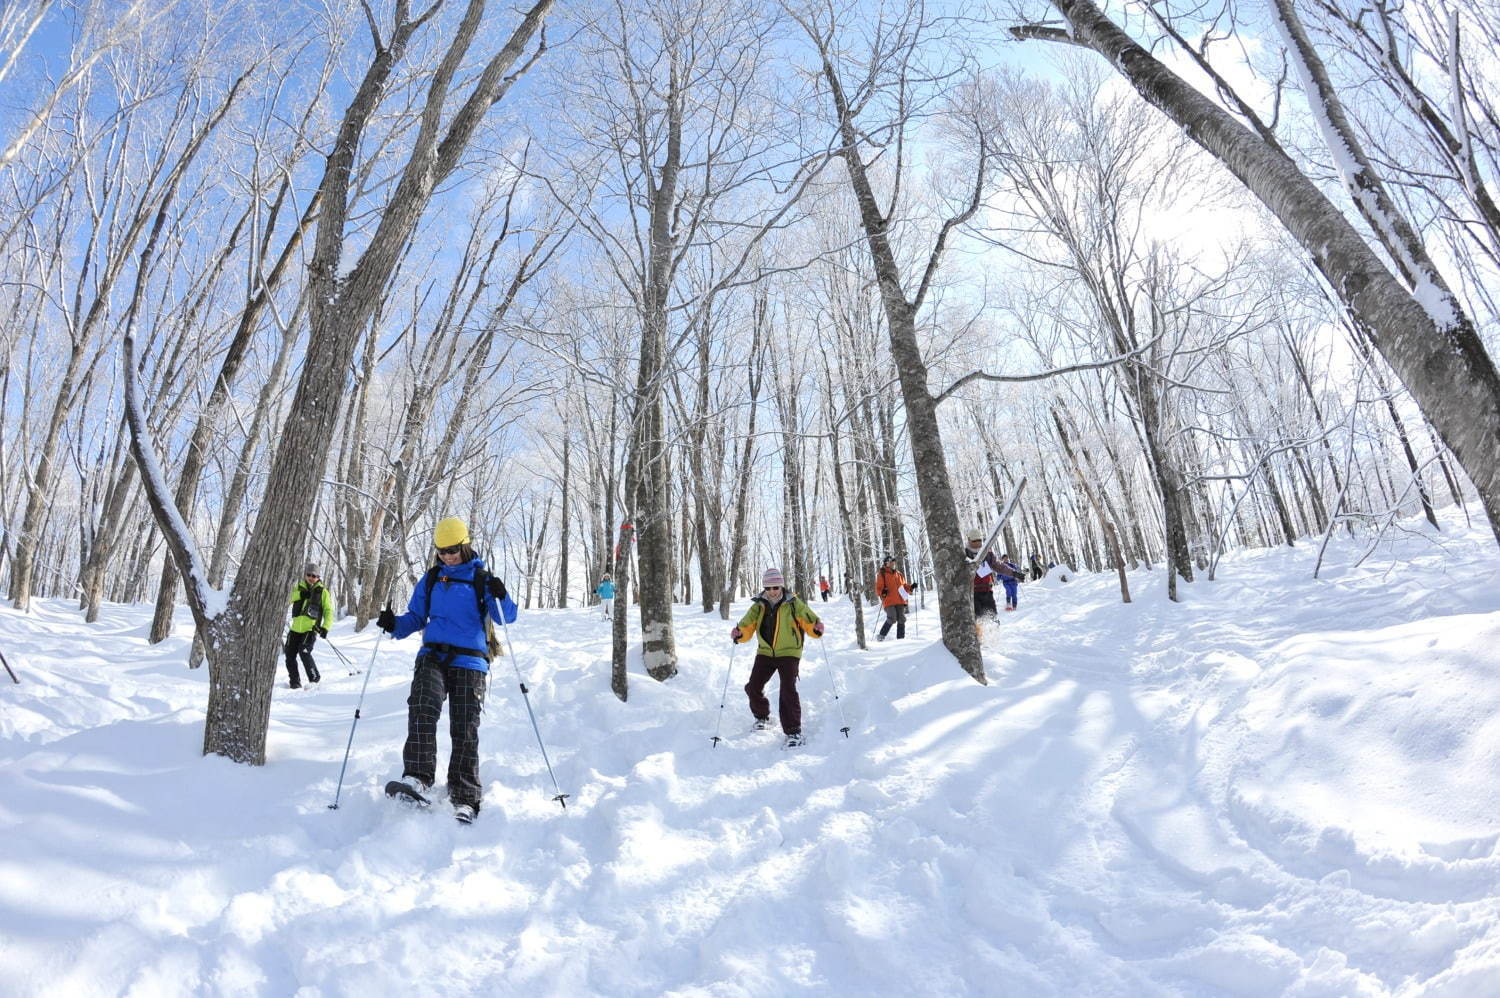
pixel 464 690
pixel 789 705
pixel 299 644
pixel 895 614
pixel 984 604
pixel 825 595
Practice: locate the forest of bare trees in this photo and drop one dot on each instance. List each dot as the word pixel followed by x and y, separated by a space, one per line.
pixel 680 290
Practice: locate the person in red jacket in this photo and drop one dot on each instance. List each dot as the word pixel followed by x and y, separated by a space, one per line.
pixel 890 586
pixel 984 577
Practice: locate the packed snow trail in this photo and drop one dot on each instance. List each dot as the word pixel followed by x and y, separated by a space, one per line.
pixel 1281 786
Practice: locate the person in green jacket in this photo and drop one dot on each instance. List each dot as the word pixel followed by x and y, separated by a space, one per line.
pixel 780 621
pixel 312 613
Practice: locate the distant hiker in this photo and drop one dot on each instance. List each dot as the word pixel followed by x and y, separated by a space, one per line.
pixel 1010 578
pixel 780 621
pixel 312 615
pixel 984 577
pixel 890 586
pixel 823 587
pixel 606 594
pixel 450 606
pixel 1038 570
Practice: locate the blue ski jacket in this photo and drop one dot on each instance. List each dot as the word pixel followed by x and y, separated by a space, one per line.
pixel 606 590
pixel 453 618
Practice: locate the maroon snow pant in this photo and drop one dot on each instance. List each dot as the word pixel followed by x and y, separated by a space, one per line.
pixel 788 704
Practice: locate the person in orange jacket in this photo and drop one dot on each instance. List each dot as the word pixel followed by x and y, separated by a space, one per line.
pixel 891 587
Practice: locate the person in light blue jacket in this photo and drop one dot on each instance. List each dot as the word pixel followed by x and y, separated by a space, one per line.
pixel 449 605
pixel 606 594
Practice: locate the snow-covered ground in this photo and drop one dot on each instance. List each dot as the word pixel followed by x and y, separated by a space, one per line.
pixel 1282 786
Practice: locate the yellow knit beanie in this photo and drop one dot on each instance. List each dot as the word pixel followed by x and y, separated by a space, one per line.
pixel 449 533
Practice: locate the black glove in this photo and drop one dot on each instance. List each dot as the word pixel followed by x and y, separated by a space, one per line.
pixel 386 621
pixel 496 587
pixel 322 631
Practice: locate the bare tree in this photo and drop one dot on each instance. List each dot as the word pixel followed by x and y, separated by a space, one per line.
pixel 1419 326
pixel 876 95
pixel 241 636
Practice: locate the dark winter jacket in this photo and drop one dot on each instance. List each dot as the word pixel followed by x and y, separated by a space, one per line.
pixel 453 618
pixel 986 582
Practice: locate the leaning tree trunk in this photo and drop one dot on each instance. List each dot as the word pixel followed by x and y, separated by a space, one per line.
pixel 934 488
pixel 1430 344
pixel 241 637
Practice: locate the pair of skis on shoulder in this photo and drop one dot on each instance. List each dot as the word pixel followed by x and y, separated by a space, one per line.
pixel 1010 507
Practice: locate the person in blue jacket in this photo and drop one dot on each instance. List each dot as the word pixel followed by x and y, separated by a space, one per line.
pixel 606 594
pixel 1010 578
pixel 453 664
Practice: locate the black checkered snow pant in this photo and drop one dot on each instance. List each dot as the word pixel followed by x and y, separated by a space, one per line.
pixel 464 690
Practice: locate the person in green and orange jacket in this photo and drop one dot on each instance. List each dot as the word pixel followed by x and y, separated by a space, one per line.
pixel 780 621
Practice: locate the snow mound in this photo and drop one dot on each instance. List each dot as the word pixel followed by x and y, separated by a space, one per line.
pixel 1279 786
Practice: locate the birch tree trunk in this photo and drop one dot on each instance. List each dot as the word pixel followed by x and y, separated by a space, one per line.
pixel 1431 345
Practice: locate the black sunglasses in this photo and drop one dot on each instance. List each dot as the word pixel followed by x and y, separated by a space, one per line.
pixel 773 589
pixel 454 549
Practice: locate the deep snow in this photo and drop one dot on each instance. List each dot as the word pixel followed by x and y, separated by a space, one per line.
pixel 1281 786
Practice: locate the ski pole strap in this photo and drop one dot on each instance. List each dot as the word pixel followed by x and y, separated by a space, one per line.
pixel 444 654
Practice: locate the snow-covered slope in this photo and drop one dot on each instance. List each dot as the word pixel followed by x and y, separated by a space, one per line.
pixel 1282 786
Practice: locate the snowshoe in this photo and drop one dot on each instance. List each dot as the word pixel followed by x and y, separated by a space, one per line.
pixel 762 723
pixel 408 792
pixel 795 741
pixel 465 813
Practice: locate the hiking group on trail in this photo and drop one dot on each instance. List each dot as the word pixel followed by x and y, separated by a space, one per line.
pixel 457 601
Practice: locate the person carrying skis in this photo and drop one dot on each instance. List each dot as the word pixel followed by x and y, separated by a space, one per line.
pixel 984 577
pixel 823 587
pixel 890 586
pixel 780 622
pixel 1010 578
pixel 606 594
pixel 450 606
pixel 312 615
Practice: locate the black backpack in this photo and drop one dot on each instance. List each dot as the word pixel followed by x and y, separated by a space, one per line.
pixel 311 603
pixel 480 582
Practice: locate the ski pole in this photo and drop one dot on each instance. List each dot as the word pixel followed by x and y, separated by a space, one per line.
pixel 9 669
pixel 510 650
pixel 724 695
pixel 834 687
pixel 353 671
pixel 366 685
